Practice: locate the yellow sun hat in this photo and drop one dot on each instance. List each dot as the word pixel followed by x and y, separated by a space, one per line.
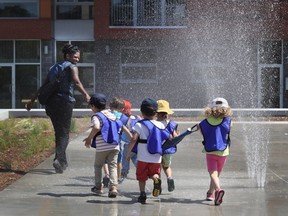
pixel 163 106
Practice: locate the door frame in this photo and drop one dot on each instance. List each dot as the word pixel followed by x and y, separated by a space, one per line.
pixel 261 66
pixel 13 86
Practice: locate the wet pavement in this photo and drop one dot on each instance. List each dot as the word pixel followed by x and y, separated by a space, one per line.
pixel 42 192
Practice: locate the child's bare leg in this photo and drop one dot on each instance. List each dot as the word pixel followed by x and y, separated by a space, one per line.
pixel 214 181
pixel 142 186
pixel 167 171
pixel 119 168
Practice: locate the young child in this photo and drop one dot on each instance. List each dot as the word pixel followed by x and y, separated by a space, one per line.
pixel 163 113
pixel 150 135
pixel 116 106
pixel 105 135
pixel 215 130
pixel 125 140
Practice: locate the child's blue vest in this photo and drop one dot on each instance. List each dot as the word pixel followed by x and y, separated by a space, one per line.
pixel 216 137
pixel 171 126
pixel 156 137
pixel 110 130
pixel 124 119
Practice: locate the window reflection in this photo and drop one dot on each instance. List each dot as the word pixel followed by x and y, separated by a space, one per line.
pixel 25 8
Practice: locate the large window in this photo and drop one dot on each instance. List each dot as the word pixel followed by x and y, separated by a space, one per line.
pixel 75 9
pixel 138 65
pixel 148 13
pixel 19 8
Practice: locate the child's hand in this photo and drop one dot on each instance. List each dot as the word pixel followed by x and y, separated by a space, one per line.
pixel 87 142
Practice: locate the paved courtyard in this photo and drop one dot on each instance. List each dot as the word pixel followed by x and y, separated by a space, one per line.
pixel 42 192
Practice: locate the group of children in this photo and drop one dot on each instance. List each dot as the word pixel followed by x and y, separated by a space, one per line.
pixel 119 137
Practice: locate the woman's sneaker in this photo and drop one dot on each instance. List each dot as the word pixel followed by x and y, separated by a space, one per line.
pixel 219 196
pixel 57 166
pixel 171 185
pixel 157 187
pixel 113 192
pixel 142 198
pixel 209 196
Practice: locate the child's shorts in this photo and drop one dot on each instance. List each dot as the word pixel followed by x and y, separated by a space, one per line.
pixel 166 160
pixel 215 162
pixel 147 170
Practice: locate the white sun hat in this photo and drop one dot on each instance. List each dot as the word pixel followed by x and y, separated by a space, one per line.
pixel 219 102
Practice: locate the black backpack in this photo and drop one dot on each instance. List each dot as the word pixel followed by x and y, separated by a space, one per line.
pixel 56 75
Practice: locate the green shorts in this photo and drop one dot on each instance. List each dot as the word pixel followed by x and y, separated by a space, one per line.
pixel 166 160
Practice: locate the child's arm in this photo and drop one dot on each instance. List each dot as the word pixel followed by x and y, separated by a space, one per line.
pixel 131 145
pixel 88 139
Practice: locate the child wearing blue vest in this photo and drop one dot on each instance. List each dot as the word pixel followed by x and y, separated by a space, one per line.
pixel 215 130
pixel 116 106
pixel 125 140
pixel 163 113
pixel 105 136
pixel 150 134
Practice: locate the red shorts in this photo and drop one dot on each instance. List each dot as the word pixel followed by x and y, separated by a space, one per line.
pixel 147 170
pixel 215 162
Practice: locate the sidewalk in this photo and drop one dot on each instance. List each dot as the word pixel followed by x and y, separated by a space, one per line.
pixel 44 193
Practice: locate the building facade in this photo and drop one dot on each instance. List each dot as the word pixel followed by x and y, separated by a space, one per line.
pixel 184 51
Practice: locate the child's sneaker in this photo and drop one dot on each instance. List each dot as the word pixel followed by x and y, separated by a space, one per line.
pixel 219 196
pixel 106 181
pixel 157 187
pixel 171 185
pixel 97 190
pixel 113 192
pixel 209 196
pixel 120 180
pixel 142 198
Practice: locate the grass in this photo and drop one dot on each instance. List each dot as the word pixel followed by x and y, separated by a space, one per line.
pixel 27 136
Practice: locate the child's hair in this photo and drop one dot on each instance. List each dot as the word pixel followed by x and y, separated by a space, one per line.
pixel 117 104
pixel 218 108
pixel 162 115
pixel 217 112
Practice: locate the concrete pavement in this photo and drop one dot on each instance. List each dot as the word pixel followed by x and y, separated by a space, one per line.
pixel 41 192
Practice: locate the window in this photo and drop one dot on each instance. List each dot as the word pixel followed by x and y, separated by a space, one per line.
pixel 75 9
pixel 19 8
pixel 138 65
pixel 27 51
pixel 148 13
pixel 6 54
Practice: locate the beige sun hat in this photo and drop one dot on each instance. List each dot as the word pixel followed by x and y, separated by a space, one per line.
pixel 163 106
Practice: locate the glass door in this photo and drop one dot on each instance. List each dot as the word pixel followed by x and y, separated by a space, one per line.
pixel 7 87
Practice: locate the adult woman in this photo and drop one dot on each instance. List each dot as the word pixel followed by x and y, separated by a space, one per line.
pixel 60 106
